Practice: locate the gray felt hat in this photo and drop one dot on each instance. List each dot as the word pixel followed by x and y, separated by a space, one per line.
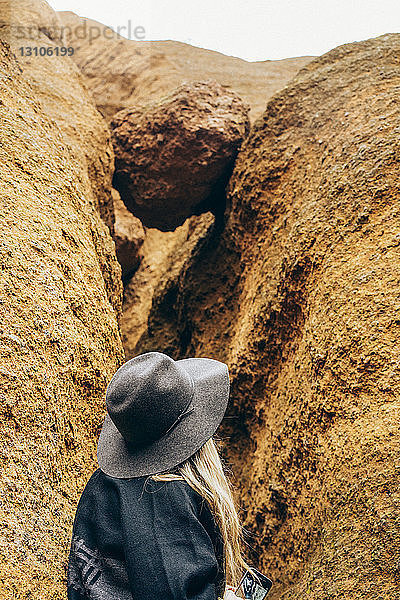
pixel 160 411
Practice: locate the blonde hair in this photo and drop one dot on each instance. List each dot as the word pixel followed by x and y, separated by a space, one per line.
pixel 205 473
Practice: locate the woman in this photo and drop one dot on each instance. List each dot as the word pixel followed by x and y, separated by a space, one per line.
pixel 157 520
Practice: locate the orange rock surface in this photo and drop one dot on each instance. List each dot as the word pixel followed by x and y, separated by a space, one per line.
pixel 60 298
pixel 299 294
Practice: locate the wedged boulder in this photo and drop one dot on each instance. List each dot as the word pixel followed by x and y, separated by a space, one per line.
pixel 173 158
pixel 128 237
pixel 60 297
pixel 300 296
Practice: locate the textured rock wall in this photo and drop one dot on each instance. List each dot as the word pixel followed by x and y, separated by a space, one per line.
pixel 128 235
pixel 300 296
pixel 150 310
pixel 61 89
pixel 60 295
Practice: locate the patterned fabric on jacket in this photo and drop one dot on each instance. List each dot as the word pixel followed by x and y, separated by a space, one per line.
pixel 138 539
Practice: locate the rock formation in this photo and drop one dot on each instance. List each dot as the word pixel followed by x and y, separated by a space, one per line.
pixel 62 95
pixel 60 295
pixel 123 73
pixel 173 158
pixel 295 286
pixel 156 285
pixel 128 237
pixel 300 296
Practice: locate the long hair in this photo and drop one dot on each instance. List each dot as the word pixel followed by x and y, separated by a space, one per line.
pixel 204 472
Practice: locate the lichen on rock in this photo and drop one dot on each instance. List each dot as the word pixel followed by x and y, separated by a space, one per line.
pixel 60 299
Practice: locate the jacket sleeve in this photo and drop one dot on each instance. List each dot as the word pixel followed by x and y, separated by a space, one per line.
pixel 173 558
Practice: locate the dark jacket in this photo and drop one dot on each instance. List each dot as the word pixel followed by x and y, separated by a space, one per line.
pixel 138 539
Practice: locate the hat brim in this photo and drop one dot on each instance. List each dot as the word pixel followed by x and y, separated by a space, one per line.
pixel 119 459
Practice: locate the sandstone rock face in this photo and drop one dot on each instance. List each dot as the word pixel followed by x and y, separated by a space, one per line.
pixel 60 295
pixel 32 18
pixel 156 286
pixel 122 73
pixel 60 88
pixel 173 158
pixel 128 237
pixel 300 296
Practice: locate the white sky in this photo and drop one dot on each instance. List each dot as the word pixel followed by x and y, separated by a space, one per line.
pixel 252 29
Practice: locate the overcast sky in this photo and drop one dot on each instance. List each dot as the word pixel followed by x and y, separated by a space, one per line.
pixel 253 30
